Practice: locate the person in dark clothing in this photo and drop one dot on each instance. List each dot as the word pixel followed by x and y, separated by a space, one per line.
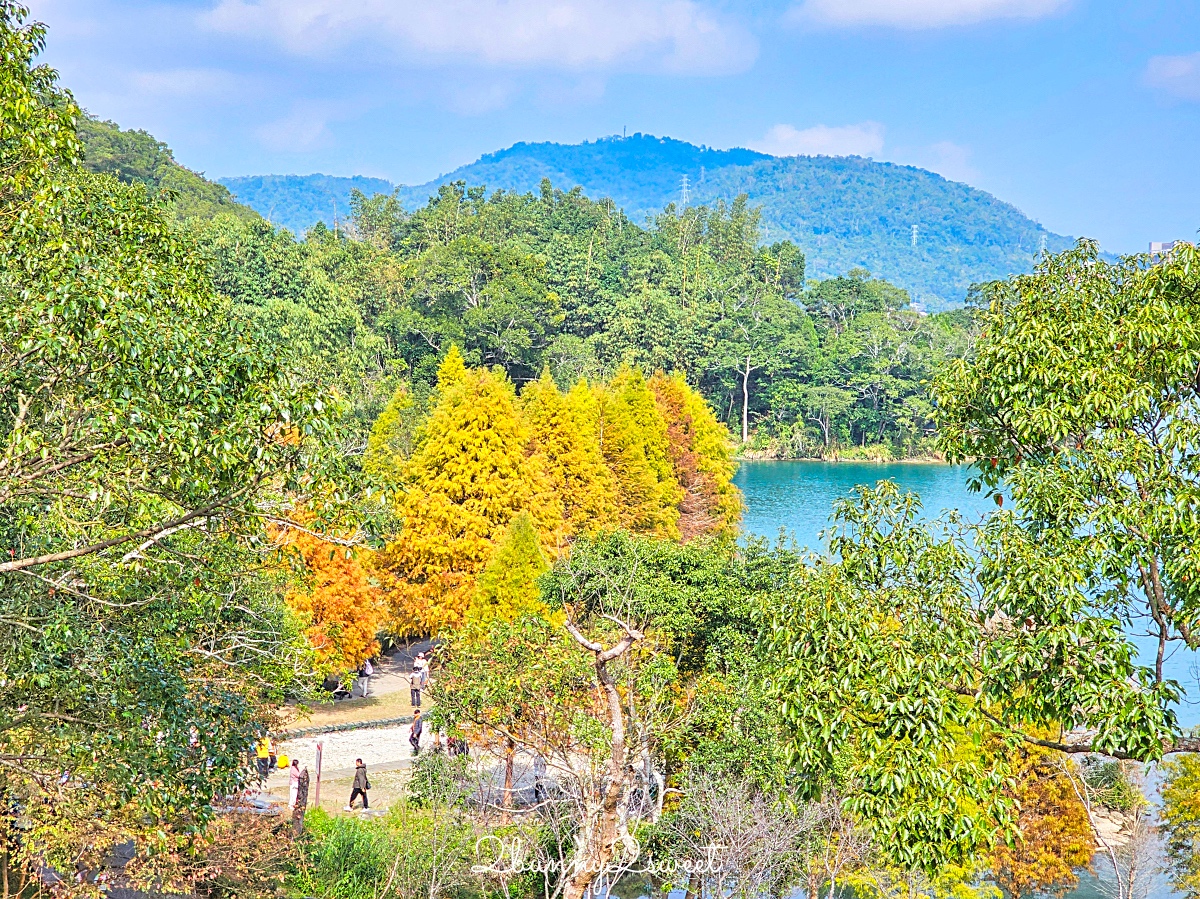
pixel 302 803
pixel 361 785
pixel 414 735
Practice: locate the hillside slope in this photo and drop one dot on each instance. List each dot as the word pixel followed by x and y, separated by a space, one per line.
pixel 850 212
pixel 138 156
pixel 845 212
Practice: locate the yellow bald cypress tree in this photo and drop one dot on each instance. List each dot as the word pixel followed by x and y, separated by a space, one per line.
pixel 391 440
pixel 467 479
pixel 632 435
pixel 507 587
pixel 565 446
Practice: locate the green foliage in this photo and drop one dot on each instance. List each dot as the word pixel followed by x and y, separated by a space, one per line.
pixel 393 438
pixel 136 157
pixel 346 858
pixel 875 654
pixel 37 117
pixel 1181 822
pixel 555 281
pixel 508 585
pixel 145 429
pixel 1077 402
pixel 522 680
pixel 1111 785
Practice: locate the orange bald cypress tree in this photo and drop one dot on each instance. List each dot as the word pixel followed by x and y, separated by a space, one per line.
pixel 702 454
pixel 1055 832
pixel 341 608
pixel 469 476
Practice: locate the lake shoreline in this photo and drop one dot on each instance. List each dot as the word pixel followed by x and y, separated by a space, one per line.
pixel 839 460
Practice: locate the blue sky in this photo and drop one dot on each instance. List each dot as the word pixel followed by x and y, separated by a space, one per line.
pixel 1084 113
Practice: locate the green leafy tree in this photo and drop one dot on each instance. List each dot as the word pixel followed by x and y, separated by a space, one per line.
pixel 136 157
pixel 1077 402
pixel 145 433
pixel 1181 822
pixel 875 672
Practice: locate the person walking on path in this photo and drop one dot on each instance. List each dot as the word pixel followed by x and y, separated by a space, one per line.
pixel 361 785
pixel 262 751
pixel 301 803
pixel 415 682
pixel 414 734
pixel 293 782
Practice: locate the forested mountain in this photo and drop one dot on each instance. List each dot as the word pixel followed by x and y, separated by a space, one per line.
pixel 136 157
pixel 297 202
pixel 550 278
pixel 844 212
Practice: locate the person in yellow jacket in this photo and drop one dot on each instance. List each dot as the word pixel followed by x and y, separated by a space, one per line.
pixel 263 752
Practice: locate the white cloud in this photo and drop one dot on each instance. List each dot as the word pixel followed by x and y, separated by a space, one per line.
pixel 921 13
pixel 1179 76
pixel 185 82
pixel 950 160
pixel 304 128
pixel 675 35
pixel 863 139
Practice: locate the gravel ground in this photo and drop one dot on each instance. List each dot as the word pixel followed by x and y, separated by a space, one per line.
pixel 386 752
pixel 377 747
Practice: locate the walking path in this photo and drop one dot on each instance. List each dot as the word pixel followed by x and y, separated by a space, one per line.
pixel 391 674
pixel 385 750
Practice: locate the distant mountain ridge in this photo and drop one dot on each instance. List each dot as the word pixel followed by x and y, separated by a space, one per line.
pixel 297 202
pixel 844 212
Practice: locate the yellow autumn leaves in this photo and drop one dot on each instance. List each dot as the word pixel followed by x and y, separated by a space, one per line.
pixel 499 484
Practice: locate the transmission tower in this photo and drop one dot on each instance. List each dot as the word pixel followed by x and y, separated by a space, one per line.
pixel 914 236
pixel 684 193
pixel 1042 245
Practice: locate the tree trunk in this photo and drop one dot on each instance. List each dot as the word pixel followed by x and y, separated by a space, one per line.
pixel 746 402
pixel 604 828
pixel 510 750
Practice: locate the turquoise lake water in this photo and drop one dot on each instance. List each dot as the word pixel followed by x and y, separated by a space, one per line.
pixel 798 497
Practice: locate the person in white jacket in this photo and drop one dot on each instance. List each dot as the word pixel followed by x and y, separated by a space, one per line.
pixel 293 782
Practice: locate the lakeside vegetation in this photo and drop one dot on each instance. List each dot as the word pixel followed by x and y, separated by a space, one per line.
pixel 231 461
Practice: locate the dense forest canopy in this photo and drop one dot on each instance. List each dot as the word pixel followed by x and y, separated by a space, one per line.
pixel 555 280
pixel 843 212
pixel 795 367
